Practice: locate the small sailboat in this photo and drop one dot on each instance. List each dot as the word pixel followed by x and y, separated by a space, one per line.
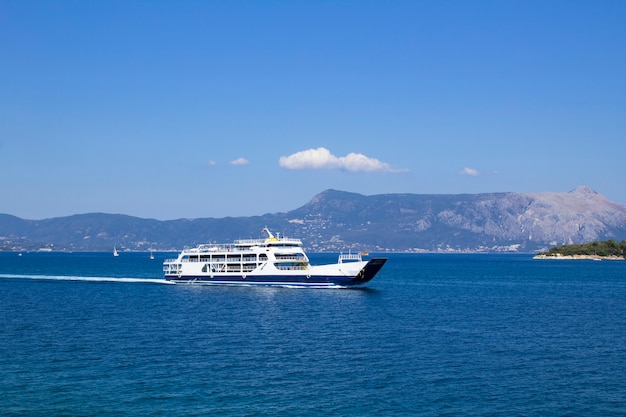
pixel 115 251
pixel 151 255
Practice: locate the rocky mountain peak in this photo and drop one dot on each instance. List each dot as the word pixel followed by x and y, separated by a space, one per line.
pixel 584 190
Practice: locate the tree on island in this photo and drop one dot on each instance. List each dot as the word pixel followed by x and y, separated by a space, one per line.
pixel 602 249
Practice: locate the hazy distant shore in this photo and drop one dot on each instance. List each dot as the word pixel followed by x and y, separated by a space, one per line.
pixel 579 257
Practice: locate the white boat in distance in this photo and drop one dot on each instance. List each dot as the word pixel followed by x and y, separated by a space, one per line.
pixel 277 261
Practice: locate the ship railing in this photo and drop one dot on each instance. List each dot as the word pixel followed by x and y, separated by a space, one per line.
pixel 290 257
pixel 209 248
pixel 350 257
pixel 258 242
pixel 249 241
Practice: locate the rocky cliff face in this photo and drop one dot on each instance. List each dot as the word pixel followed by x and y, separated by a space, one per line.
pixel 579 216
pixel 335 220
pixel 470 222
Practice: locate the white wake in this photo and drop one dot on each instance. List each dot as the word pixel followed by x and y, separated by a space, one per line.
pixel 87 279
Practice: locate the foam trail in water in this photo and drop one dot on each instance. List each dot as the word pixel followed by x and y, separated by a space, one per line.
pixel 88 279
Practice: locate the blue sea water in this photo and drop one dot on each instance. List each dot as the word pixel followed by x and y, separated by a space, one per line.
pixel 87 334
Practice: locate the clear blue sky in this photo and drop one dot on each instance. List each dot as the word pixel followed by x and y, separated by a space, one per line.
pixel 187 109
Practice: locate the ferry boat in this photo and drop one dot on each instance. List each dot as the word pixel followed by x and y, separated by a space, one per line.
pixel 274 261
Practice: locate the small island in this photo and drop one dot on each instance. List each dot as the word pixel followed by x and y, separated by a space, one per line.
pixel 606 250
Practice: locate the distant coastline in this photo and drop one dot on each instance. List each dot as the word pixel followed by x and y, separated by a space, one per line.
pixel 579 257
pixel 334 221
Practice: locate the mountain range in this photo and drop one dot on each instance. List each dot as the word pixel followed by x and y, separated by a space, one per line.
pixel 338 220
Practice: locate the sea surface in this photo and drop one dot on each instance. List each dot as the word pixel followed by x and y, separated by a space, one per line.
pixel 87 334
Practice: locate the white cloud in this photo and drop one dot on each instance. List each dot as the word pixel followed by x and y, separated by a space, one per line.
pixel 212 163
pixel 240 161
pixel 311 158
pixel 359 162
pixel 469 171
pixel 321 158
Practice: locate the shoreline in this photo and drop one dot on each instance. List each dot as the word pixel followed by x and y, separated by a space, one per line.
pixel 580 257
